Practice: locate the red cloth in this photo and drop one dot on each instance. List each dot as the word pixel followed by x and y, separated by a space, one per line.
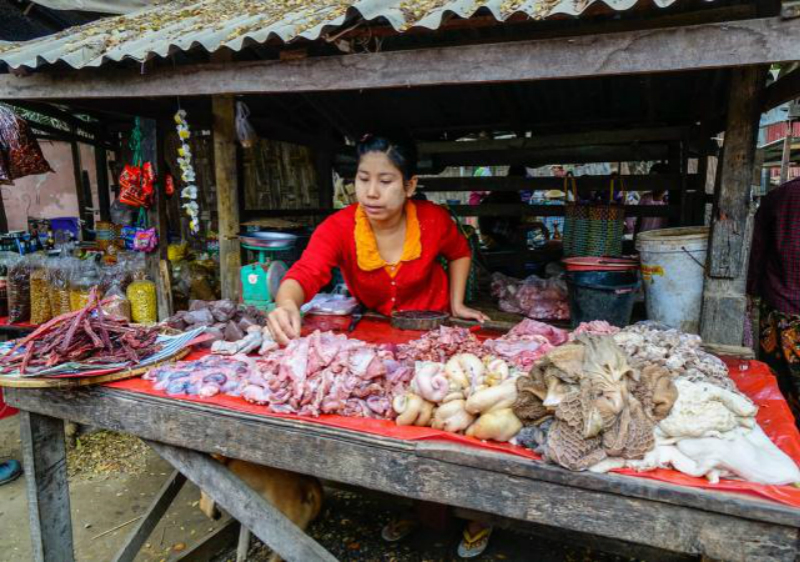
pixel 752 377
pixel 419 284
pixel 5 409
pixel 774 273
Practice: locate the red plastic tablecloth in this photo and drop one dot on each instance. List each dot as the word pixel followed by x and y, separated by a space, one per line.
pixel 752 377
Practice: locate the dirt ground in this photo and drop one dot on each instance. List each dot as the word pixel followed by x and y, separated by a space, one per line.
pixel 113 479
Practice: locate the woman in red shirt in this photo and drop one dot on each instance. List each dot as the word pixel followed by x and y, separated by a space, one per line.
pixel 387 247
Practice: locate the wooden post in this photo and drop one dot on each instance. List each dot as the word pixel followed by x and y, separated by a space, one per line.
pixel 225 170
pixel 724 300
pixel 77 171
pixel 101 168
pixel 157 264
pixel 786 156
pixel 3 216
pixel 45 456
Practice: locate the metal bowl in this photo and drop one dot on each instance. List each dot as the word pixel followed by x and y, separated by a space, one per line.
pixel 268 239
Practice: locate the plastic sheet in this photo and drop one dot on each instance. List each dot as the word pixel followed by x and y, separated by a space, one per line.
pixel 752 377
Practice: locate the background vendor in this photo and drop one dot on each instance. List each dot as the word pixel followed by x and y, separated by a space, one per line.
pixel 387 247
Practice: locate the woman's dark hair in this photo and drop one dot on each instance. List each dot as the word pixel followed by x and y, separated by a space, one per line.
pixel 403 154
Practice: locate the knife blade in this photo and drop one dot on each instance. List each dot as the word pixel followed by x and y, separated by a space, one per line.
pixel 355 318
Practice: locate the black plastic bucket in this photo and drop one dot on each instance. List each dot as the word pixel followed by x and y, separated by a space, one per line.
pixel 602 295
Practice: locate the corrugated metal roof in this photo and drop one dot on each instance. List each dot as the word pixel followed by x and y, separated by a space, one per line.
pixel 180 25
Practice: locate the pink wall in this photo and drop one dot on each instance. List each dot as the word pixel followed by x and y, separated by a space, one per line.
pixel 49 195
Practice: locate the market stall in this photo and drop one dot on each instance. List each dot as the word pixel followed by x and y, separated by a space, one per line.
pixel 313 88
pixel 662 508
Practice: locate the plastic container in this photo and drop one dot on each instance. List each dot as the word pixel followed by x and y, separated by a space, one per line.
pixel 600 264
pixel 605 296
pixel 673 268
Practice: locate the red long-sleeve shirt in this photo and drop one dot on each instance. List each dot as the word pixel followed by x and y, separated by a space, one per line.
pixel 419 283
pixel 774 272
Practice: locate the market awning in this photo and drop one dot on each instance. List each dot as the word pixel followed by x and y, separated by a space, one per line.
pixel 181 25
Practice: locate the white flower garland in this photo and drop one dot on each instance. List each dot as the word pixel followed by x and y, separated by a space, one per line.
pixel 189 192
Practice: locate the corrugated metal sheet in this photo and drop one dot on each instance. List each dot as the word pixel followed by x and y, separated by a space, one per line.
pixel 180 25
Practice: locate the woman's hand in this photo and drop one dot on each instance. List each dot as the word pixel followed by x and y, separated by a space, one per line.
pixel 284 323
pixel 466 313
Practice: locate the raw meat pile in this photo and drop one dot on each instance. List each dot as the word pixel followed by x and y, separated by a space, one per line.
pixel 594 328
pixel 439 345
pixel 326 373
pixel 224 320
pixel 88 336
pixel 206 377
pixel 527 342
pixel 533 297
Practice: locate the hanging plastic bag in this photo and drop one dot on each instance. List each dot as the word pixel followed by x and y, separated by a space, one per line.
pixel 22 153
pixel 144 239
pixel 244 129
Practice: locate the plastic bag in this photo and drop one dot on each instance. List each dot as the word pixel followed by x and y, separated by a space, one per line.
pixel 19 290
pixel 116 303
pixel 5 260
pixel 23 155
pixel 327 304
pixel 534 297
pixel 41 311
pixel 244 130
pixel 121 213
pixel 144 303
pixel 84 278
pixel 58 274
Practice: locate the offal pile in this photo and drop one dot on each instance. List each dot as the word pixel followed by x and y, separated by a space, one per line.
pixel 598 398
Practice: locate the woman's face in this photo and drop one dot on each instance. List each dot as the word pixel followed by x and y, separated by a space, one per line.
pixel 380 187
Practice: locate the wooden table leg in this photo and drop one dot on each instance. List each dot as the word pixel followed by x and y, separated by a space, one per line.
pixel 45 458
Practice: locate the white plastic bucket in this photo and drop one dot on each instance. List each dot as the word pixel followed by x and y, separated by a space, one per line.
pixel 673 268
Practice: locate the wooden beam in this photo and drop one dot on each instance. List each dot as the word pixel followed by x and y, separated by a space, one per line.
pixel 251 509
pixel 724 301
pixel 783 90
pixel 720 525
pixel 166 495
pixel 585 184
pixel 227 181
pixel 53 112
pixel 45 457
pixel 690 48
pixel 210 547
pixel 486 210
pixel 623 136
pixel 101 170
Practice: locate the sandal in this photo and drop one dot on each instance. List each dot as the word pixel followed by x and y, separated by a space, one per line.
pixel 474 545
pixel 398 529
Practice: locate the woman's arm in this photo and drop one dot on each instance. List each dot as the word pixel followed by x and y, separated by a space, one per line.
pixel 284 321
pixel 459 272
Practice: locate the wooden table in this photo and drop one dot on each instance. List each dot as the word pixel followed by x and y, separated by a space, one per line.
pixel 638 511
